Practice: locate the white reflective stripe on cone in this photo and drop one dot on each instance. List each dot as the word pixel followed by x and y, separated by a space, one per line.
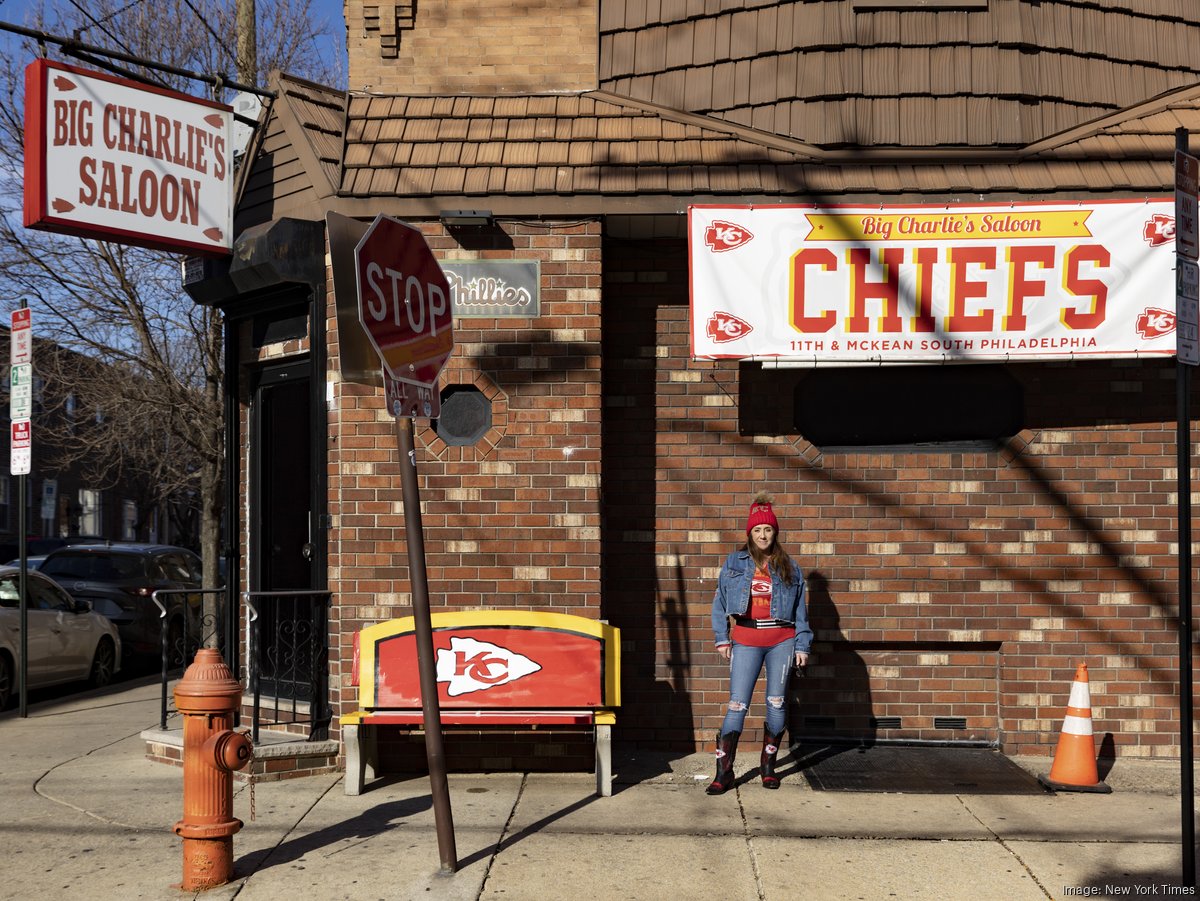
pixel 1079 695
pixel 1077 725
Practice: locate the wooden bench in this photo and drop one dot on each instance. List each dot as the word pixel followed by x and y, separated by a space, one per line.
pixel 494 668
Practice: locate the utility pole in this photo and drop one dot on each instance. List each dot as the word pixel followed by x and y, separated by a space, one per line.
pixel 247 42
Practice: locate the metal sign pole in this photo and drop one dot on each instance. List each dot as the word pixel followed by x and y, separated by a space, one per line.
pixel 1185 357
pixel 1184 462
pixel 21 359
pixel 431 709
pixel 23 591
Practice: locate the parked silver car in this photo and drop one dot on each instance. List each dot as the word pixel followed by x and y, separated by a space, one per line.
pixel 67 641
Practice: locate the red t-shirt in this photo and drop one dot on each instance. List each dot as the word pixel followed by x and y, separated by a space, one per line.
pixel 760 609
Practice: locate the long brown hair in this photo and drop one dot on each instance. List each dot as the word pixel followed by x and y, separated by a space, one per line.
pixel 777 560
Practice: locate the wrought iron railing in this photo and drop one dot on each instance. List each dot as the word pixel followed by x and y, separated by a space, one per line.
pixel 199 624
pixel 289 658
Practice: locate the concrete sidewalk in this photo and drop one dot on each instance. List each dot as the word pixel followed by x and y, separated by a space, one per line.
pixel 85 815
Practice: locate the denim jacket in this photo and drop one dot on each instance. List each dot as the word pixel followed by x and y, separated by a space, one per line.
pixel 788 602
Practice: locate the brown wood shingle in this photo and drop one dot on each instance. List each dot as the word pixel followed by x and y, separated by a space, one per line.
pixel 573 152
pixel 1084 58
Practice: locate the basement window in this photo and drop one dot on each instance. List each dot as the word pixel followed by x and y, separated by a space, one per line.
pixel 466 415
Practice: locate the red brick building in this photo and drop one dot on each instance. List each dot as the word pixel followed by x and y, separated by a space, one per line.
pixel 591 466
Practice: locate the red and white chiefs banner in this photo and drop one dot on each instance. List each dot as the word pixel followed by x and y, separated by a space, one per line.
pixel 880 284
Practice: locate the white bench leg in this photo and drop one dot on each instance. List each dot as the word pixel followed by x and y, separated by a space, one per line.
pixel 353 782
pixel 604 761
pixel 361 757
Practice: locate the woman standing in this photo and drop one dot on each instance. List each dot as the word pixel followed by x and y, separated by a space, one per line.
pixel 762 589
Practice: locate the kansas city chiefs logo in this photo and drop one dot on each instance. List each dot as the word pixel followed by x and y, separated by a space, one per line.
pixel 722 236
pixel 1154 323
pixel 1159 230
pixel 472 665
pixel 724 327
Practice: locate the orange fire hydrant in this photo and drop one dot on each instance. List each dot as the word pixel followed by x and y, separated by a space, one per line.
pixel 207 697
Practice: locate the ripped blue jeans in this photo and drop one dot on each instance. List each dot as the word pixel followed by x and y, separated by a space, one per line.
pixel 744 666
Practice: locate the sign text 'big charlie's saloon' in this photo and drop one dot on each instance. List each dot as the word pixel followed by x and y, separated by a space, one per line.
pixel 111 159
pixel 933 283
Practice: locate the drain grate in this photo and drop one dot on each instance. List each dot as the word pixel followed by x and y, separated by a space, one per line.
pixel 916 770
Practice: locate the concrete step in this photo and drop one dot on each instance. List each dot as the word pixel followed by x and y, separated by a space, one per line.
pixel 277 754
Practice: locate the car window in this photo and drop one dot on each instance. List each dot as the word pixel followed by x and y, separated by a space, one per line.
pixel 157 571
pixel 99 567
pixel 9 595
pixel 195 566
pixel 176 567
pixel 44 597
pixel 74 567
pixel 54 590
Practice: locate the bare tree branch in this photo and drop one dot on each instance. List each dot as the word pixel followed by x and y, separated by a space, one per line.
pixel 132 366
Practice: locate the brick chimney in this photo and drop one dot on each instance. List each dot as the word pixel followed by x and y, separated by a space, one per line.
pixel 472 46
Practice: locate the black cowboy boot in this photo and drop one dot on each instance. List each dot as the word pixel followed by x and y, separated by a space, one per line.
pixel 726 752
pixel 767 761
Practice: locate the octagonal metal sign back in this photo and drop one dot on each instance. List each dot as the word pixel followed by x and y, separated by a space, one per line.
pixel 404 301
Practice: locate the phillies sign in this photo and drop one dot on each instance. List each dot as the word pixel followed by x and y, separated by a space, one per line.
pixel 116 160
pixel 932 283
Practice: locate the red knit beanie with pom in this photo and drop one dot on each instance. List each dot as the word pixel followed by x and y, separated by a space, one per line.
pixel 761 513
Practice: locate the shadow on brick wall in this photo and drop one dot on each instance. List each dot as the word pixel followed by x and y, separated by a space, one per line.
pixel 833 699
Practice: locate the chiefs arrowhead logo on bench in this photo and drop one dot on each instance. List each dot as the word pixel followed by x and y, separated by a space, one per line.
pixel 472 665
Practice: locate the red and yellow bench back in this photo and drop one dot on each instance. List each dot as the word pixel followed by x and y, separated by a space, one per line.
pixel 492 659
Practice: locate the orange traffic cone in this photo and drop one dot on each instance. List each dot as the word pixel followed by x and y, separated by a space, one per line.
pixel 1074 767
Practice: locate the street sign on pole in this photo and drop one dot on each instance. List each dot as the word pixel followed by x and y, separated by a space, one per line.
pixel 20 396
pixel 404 301
pixel 1187 311
pixel 1187 226
pixel 404 307
pixel 20 460
pixel 21 448
pixel 21 337
pixel 407 399
pixel 21 391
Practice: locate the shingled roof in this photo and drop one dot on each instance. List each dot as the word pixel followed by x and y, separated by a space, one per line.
pixel 865 73
pixel 594 153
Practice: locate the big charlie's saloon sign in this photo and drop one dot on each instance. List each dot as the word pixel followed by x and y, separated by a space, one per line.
pixel 115 160
pixel 933 283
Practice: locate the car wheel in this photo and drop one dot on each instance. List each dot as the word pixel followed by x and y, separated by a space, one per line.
pixel 6 680
pixel 103 664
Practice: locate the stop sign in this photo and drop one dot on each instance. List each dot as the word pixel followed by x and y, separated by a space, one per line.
pixel 404 301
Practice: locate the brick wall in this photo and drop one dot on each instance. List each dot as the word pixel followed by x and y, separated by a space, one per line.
pixel 459 46
pixel 962 585
pixel 510 522
pixel 952 593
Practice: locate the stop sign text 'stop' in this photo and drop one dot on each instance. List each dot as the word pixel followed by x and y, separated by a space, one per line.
pixel 404 301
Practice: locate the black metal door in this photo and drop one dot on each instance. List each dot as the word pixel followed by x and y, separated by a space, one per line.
pixel 281 520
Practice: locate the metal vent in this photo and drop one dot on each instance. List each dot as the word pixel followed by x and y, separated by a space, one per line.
pixel 949 722
pixel 885 722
